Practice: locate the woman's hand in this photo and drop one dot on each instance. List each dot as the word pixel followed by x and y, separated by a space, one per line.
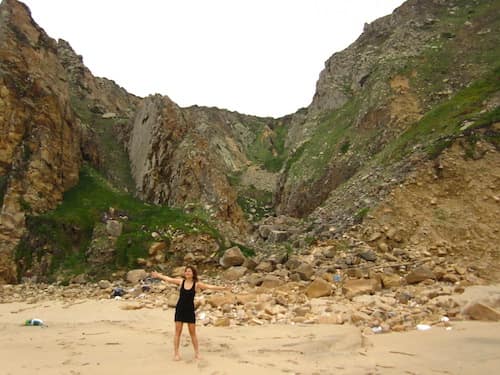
pixel 155 275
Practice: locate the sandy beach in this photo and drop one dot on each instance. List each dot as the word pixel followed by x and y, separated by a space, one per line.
pixel 111 337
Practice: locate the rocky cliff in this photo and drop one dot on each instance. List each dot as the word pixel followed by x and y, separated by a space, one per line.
pixel 200 156
pixel 412 88
pixel 42 141
pixel 40 144
pixel 378 99
pixel 173 160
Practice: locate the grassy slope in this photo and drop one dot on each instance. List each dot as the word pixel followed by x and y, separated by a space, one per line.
pixel 69 228
pixel 435 130
pixel 332 135
pixel 459 52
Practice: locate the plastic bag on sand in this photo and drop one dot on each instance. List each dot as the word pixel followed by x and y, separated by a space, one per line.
pixel 423 327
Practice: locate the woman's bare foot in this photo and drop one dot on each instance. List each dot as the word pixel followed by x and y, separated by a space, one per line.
pixel 197 356
pixel 177 357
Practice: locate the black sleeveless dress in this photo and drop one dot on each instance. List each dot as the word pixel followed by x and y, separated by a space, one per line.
pixel 184 310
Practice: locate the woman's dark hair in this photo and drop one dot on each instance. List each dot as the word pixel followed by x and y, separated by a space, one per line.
pixel 195 273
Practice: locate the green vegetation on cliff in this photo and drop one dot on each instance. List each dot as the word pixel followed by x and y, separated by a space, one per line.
pixel 462 112
pixel 465 54
pixel 66 232
pixel 331 135
pixel 268 148
pixel 450 83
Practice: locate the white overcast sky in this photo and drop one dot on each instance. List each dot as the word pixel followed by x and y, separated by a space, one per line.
pixel 260 57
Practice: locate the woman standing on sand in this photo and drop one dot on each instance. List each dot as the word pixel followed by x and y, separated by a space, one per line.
pixel 184 310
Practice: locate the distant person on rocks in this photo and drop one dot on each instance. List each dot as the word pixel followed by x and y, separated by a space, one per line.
pixel 184 310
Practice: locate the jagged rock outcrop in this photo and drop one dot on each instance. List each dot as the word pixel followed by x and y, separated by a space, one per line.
pixel 384 42
pixel 180 156
pixel 40 137
pixel 101 95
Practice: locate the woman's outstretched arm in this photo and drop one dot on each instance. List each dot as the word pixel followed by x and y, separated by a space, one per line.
pixel 160 276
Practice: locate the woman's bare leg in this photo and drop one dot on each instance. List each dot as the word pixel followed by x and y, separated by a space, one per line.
pixel 194 339
pixel 177 340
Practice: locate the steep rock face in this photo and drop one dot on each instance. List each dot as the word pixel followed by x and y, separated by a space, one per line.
pixel 379 90
pixel 355 81
pixel 40 138
pixel 178 156
pixel 184 155
pixel 398 36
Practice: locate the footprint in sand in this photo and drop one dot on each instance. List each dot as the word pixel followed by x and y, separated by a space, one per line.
pixel 202 364
pixel 213 350
pixel 221 348
pixel 65 345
